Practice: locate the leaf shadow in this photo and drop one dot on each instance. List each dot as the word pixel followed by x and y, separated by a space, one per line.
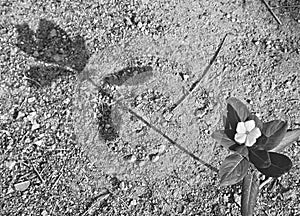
pixel 130 76
pixel 62 56
pixel 51 44
pixel 41 76
pixel 107 128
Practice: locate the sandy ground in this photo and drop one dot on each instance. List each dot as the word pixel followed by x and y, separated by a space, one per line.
pixel 67 148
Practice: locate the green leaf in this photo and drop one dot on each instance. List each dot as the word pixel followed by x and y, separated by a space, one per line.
pixel 280 164
pixel 274 131
pixel 260 142
pixel 232 117
pixel 250 190
pixel 240 108
pixel 233 169
pixel 230 133
pixel 226 123
pixel 260 158
pixel 288 139
pixel 242 150
pixel 222 138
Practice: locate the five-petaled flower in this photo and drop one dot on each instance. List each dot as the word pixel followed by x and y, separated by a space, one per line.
pixel 247 133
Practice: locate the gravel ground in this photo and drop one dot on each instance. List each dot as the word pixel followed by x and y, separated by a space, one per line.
pixel 67 147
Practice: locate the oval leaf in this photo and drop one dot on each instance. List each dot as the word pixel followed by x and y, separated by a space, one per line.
pixel 230 133
pixel 274 132
pixel 288 139
pixel 222 138
pixel 280 164
pixel 240 108
pixel 240 149
pixel 232 117
pixel 233 169
pixel 260 158
pixel 250 190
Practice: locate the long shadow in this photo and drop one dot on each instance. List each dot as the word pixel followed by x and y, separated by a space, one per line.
pixel 51 44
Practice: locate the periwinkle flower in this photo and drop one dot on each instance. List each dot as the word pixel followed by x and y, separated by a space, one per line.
pixel 247 133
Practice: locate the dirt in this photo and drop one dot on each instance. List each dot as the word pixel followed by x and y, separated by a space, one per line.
pixel 69 145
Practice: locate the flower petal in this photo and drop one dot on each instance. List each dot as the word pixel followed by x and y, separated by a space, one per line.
pixel 240 138
pixel 250 125
pixel 250 140
pixel 255 133
pixel 240 128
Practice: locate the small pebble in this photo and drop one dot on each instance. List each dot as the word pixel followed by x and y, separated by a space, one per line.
pixel 168 116
pixel 22 186
pixel 31 116
pixel 186 77
pixel 36 54
pixel 133 202
pixel 31 100
pixel 20 115
pixel 130 158
pixel 162 149
pixel 10 190
pixel 140 24
pixel 141 163
pixel 123 186
pixel 155 37
pixel 44 213
pixel 67 101
pixel 57 57
pixel 154 157
pixel 35 126
pixel 39 142
pixel 10 164
pixel 53 33
pixel 27 140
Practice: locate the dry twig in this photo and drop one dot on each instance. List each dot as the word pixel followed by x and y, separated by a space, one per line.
pixel 272 12
pixel 38 174
pixel 197 82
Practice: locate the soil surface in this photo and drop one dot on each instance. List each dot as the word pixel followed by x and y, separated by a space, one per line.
pixel 85 95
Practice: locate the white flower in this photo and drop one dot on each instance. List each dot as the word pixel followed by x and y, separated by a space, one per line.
pixel 247 133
